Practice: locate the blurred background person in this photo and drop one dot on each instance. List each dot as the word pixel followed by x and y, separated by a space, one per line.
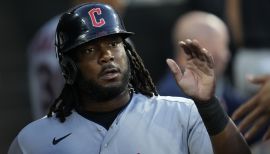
pixel 249 23
pixel 212 33
pixel 45 77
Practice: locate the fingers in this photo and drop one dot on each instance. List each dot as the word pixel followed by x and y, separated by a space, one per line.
pixel 189 54
pixel 209 58
pixel 258 79
pixel 177 72
pixel 193 50
pixel 247 121
pixel 257 127
pixel 244 109
pixel 267 134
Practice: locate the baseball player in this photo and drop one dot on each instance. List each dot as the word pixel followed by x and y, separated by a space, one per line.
pixel 45 81
pixel 109 104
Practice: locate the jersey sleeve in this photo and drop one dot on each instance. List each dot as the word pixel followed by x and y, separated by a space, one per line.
pixel 198 139
pixel 15 147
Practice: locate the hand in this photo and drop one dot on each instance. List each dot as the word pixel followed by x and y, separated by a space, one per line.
pixel 197 78
pixel 256 111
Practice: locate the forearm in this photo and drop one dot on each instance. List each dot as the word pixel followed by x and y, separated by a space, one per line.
pixel 229 141
pixel 224 135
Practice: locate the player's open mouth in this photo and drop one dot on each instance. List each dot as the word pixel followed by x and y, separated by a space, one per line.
pixel 109 74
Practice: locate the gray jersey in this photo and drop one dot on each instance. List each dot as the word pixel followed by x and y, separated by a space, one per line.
pixel 155 125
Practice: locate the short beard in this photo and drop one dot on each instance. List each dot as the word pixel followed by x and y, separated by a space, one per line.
pixel 98 93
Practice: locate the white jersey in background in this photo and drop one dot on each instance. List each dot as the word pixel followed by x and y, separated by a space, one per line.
pixel 45 78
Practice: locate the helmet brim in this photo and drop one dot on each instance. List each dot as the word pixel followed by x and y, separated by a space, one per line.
pixel 87 38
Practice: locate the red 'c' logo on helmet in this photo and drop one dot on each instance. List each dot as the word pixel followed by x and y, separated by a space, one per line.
pixel 96 23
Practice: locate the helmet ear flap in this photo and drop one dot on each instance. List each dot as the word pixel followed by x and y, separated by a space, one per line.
pixel 68 67
pixel 69 70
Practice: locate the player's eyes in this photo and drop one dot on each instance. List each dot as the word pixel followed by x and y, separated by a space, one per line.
pixel 113 44
pixel 88 51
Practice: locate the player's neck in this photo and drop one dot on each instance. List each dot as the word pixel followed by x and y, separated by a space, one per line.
pixel 105 106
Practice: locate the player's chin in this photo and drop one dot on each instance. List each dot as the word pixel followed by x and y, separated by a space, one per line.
pixel 112 83
pixel 115 83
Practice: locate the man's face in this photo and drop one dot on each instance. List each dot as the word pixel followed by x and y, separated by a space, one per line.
pixel 103 68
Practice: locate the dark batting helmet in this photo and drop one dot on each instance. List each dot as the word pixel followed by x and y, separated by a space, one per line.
pixel 82 24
